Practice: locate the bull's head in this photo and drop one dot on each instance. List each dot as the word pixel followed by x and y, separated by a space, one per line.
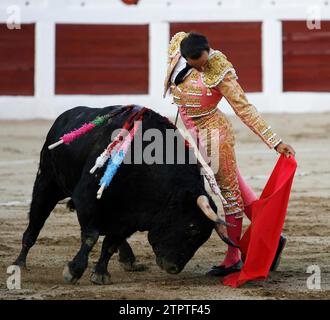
pixel 182 227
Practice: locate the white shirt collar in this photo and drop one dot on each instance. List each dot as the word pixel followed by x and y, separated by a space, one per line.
pixel 181 64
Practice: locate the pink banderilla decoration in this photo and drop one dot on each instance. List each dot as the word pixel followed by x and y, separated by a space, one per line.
pixel 86 127
pixel 69 137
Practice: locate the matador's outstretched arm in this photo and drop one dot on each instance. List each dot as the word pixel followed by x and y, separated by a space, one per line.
pixel 247 112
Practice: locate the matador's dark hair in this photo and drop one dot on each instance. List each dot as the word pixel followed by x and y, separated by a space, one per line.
pixel 193 45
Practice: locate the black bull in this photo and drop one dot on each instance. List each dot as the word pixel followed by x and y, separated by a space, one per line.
pixel 158 198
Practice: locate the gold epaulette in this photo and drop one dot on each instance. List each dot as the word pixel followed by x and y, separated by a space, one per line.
pixel 174 46
pixel 216 69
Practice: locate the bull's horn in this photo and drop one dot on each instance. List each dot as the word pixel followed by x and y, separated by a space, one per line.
pixel 203 203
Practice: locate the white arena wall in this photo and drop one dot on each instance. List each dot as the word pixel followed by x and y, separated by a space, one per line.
pixel 158 14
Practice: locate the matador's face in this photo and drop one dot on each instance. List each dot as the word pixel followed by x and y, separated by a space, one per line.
pixel 200 63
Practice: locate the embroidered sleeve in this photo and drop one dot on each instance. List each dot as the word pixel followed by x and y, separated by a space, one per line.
pixel 236 97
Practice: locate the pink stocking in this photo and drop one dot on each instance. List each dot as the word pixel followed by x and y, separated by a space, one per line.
pixel 248 195
pixel 233 254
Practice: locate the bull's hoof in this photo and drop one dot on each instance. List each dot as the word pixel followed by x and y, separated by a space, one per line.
pixel 68 277
pixel 101 278
pixel 133 266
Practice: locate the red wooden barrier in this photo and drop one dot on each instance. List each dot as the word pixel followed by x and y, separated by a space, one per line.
pixel 102 59
pixel 17 60
pixel 306 57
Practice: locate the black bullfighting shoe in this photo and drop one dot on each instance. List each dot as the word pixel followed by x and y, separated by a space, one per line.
pixel 277 258
pixel 221 271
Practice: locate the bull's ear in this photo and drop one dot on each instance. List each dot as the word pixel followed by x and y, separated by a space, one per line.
pixel 189 196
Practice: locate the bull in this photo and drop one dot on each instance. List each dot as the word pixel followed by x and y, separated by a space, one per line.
pixel 167 200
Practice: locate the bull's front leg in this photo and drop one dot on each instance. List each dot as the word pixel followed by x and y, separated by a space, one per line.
pixel 100 274
pixel 127 258
pixel 110 245
pixel 75 269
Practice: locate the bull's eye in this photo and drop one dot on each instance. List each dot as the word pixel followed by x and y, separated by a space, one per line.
pixel 193 230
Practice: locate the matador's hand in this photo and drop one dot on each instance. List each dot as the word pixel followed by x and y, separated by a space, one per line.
pixel 285 149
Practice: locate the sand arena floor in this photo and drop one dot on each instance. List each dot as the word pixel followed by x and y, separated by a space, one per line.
pixel 307 224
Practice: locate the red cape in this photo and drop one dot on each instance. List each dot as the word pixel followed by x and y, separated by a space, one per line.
pixel 259 242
